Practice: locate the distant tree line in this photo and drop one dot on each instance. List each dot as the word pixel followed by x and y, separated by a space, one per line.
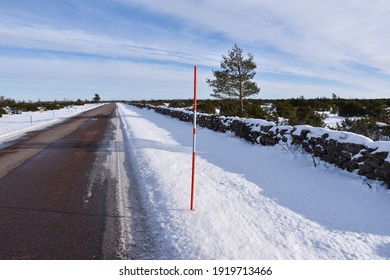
pixel 288 108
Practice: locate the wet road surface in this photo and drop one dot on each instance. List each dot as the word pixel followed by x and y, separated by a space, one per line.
pixel 47 210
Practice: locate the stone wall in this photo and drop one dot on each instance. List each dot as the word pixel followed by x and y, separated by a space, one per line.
pixel 351 152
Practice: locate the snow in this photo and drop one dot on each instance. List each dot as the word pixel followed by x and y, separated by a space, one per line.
pixel 258 123
pixel 339 136
pixel 281 127
pixel 381 125
pixel 381 146
pixel 332 120
pixel 252 202
pixel 14 126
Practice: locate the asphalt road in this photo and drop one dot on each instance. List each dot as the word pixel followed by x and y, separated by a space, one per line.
pixel 50 208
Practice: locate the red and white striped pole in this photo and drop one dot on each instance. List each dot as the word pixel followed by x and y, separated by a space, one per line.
pixel 193 147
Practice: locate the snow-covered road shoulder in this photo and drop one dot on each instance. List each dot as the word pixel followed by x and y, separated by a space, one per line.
pixel 251 202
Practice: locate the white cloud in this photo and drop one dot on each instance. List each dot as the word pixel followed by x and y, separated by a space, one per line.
pixel 316 38
pixel 44 38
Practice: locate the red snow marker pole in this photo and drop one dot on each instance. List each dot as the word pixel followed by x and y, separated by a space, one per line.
pixel 193 147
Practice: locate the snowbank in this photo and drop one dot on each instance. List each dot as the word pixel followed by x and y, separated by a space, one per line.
pixel 381 147
pixel 339 136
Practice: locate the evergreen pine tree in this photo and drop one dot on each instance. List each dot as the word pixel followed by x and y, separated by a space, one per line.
pixel 234 80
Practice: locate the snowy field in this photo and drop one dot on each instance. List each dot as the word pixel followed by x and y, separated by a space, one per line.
pixel 252 202
pixel 14 126
pixel 332 120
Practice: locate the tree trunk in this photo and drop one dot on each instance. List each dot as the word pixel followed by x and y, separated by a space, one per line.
pixel 241 106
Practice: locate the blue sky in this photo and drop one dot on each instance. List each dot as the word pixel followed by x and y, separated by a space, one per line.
pixel 146 49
